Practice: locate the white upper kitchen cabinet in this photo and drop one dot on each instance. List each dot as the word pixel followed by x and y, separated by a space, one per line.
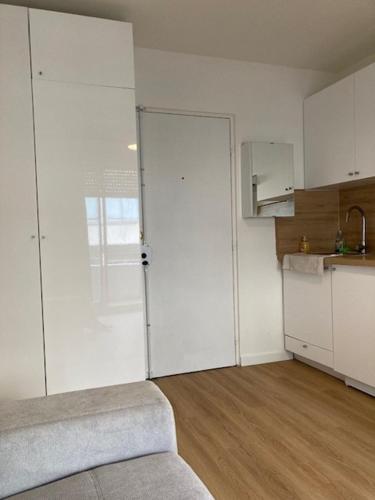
pixel 79 49
pixel 354 322
pixel 329 135
pixel 21 332
pixel 308 308
pixel 365 121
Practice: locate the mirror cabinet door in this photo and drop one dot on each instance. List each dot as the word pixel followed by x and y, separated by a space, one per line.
pixel 267 179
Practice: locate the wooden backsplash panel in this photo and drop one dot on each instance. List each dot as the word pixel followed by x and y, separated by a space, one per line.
pixel 364 196
pixel 316 216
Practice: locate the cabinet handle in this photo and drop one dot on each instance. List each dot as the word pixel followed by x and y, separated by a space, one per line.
pixel 356 172
pixel 305 346
pixel 350 173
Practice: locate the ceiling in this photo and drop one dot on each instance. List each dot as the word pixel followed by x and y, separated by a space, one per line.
pixel 328 35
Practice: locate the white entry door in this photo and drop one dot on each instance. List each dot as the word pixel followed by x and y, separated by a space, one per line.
pixel 89 222
pixel 188 224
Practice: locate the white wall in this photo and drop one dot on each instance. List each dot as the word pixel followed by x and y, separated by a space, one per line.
pixel 267 102
pixel 356 67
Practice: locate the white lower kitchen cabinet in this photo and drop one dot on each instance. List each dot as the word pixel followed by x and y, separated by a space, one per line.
pixel 308 315
pixel 354 322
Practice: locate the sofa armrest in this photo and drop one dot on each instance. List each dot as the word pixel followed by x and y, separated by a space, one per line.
pixel 45 439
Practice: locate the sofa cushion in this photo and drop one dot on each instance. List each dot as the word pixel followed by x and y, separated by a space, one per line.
pixel 164 476
pixel 45 439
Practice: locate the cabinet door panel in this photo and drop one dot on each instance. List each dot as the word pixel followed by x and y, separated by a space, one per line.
pixel 89 219
pixel 70 48
pixel 365 121
pixel 329 135
pixel 21 334
pixel 273 166
pixel 354 322
pixel 308 308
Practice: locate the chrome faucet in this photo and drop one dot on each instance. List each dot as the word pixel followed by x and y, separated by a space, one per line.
pixel 362 245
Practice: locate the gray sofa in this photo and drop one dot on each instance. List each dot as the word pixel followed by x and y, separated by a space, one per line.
pixel 112 443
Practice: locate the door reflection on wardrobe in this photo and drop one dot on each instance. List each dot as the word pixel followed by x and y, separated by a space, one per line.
pixel 113 235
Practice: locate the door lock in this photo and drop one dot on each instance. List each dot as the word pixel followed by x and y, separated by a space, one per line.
pixel 146 255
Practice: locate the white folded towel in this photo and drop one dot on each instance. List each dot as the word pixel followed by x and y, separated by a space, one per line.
pixel 304 263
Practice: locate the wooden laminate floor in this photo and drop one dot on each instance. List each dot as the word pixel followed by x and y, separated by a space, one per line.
pixel 276 431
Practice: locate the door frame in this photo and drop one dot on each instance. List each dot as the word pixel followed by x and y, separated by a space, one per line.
pixel 233 181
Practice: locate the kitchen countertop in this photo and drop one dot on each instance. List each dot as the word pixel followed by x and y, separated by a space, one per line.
pixel 351 260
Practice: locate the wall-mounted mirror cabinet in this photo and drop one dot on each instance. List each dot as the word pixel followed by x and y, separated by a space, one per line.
pixel 267 179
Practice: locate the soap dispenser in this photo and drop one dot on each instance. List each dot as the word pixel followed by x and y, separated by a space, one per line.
pixel 339 244
pixel 304 245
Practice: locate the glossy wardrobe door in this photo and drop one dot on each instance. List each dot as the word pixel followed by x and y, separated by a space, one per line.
pixel 89 223
pixel 21 334
pixel 80 49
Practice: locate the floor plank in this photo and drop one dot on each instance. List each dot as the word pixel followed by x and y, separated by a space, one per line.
pixel 277 431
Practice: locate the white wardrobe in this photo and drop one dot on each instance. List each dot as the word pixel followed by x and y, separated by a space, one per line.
pixel 72 298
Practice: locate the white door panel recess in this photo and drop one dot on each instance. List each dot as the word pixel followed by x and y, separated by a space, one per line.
pixel 188 224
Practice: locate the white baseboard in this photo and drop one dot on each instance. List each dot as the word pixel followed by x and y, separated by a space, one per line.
pixel 318 366
pixel 265 357
pixel 360 386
